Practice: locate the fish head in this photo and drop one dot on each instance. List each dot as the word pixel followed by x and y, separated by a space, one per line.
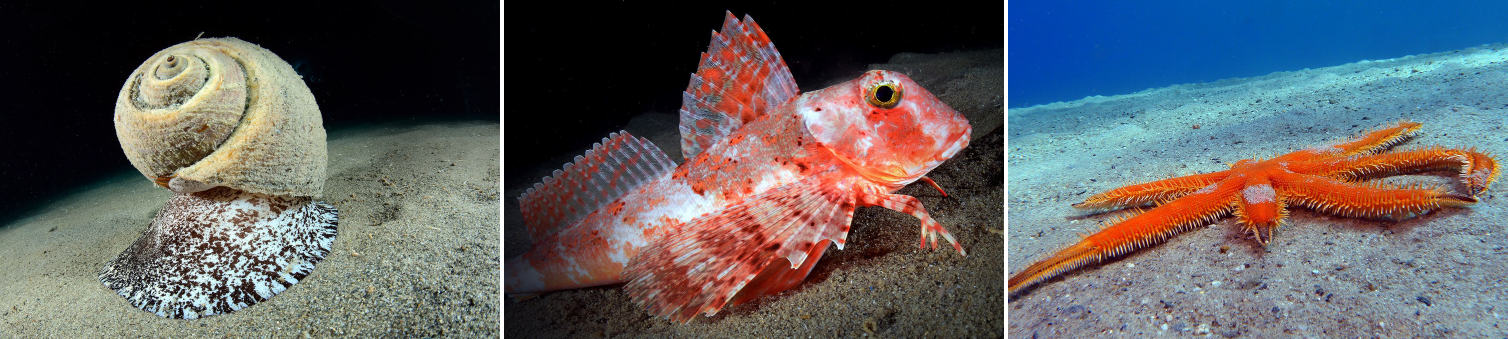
pixel 884 126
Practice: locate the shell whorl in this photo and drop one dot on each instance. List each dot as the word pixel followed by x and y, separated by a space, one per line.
pixel 235 132
pixel 222 112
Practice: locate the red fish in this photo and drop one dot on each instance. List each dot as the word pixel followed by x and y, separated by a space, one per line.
pixel 771 179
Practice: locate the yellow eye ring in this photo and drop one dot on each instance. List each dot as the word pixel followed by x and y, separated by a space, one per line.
pixel 884 95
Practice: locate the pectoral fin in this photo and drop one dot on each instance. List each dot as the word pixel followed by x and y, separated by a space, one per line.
pixel 704 267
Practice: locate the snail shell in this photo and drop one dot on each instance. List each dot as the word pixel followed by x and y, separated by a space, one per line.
pixel 232 129
pixel 198 259
pixel 222 112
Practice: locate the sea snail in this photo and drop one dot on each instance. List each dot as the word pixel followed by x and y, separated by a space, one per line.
pixel 233 131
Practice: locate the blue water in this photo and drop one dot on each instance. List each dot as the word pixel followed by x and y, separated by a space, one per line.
pixel 1066 50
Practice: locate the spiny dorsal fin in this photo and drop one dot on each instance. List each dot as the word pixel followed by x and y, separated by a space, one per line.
pixel 740 77
pixel 612 168
pixel 702 268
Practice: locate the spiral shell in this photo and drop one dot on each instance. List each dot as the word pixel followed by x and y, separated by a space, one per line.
pixel 222 112
pixel 233 130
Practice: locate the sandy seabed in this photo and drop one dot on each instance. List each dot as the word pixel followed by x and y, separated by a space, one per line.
pixel 416 256
pixel 1438 275
pixel 879 284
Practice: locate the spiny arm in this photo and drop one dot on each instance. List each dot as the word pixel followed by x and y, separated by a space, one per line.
pixel 1366 144
pixel 1134 233
pixel 1150 193
pixel 1366 201
pixel 1477 169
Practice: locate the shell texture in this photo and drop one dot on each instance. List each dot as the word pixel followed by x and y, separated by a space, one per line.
pixel 221 250
pixel 222 112
pixel 233 130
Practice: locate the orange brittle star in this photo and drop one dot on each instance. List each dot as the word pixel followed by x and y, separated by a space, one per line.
pixel 1328 179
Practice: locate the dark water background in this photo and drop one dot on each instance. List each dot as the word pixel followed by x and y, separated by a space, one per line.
pixel 62 65
pixel 1066 50
pixel 576 72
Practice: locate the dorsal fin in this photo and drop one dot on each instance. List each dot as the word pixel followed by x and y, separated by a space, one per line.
pixel 740 77
pixel 612 168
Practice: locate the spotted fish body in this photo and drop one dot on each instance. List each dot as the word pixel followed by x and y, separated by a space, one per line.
pixel 769 175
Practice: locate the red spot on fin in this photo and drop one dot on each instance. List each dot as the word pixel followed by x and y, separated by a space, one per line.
pixel 778 275
pixel 741 77
pixel 702 269
pixel 611 169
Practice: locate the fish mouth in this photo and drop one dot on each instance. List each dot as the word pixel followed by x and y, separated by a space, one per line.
pixel 958 142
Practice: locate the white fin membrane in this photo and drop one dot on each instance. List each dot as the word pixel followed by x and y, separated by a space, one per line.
pixel 611 169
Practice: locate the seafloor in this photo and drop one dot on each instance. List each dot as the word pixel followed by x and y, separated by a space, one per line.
pixel 416 255
pixel 880 284
pixel 1439 275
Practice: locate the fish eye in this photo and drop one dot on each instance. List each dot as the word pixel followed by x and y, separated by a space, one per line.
pixel 884 95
